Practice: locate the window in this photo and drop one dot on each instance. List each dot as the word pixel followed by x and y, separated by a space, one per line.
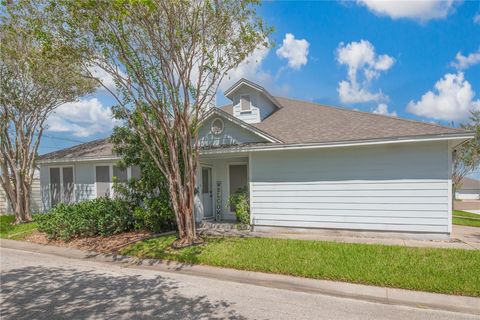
pixel 62 185
pixel 121 175
pixel 245 104
pixel 217 126
pixel 135 172
pixel 102 181
pixel 105 174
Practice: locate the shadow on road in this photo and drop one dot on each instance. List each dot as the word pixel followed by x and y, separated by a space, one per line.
pixel 59 293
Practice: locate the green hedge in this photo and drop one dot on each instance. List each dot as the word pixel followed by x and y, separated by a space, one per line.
pixel 102 216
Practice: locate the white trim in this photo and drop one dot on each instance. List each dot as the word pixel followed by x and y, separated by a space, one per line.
pixel 240 123
pixel 235 163
pixel 60 167
pixel 208 167
pixel 110 171
pixel 450 187
pixel 223 126
pixel 249 110
pixel 336 144
pixel 229 92
pixel 250 186
pixel 79 159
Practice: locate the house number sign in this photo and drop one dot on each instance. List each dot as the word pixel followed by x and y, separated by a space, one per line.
pixel 218 204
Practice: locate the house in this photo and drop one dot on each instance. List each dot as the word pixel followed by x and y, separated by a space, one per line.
pixel 35 197
pixel 307 166
pixel 469 190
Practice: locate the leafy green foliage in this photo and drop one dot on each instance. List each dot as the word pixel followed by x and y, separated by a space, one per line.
pixel 467 155
pixel 147 194
pixel 241 202
pixel 101 216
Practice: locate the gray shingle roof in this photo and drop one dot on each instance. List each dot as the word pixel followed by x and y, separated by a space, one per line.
pixel 96 148
pixel 298 122
pixel 303 122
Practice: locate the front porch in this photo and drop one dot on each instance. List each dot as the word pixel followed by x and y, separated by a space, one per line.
pixel 218 177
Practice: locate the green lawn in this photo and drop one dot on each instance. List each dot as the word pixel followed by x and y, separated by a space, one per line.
pixel 17 232
pixel 447 271
pixel 466 222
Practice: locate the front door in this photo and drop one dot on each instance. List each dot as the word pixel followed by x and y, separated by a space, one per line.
pixel 207 199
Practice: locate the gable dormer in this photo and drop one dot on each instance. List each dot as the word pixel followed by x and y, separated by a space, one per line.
pixel 251 102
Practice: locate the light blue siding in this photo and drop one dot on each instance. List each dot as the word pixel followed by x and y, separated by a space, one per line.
pixel 261 106
pixel 232 134
pixel 397 187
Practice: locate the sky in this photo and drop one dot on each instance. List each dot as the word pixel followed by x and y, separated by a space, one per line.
pixel 416 60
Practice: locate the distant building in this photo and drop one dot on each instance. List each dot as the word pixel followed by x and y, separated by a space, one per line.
pixel 469 190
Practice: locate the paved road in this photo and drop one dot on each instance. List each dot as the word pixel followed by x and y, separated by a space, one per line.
pixel 41 286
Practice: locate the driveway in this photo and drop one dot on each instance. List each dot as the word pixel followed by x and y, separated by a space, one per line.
pixel 469 235
pixel 43 286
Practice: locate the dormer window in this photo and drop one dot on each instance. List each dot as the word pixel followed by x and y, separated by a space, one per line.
pixel 245 103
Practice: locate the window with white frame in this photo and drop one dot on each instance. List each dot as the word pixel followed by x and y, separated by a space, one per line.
pixel 245 103
pixel 62 185
pixel 105 175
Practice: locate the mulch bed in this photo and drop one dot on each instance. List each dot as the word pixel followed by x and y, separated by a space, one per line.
pixel 98 244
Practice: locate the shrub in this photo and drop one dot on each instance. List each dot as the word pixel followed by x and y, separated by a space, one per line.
pixel 154 215
pixel 241 202
pixel 102 216
pixel 150 200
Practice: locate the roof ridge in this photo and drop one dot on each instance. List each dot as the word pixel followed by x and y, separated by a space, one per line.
pixel 74 147
pixel 371 114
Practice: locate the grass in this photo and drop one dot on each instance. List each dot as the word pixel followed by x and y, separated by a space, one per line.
pixel 466 222
pixel 15 232
pixel 449 271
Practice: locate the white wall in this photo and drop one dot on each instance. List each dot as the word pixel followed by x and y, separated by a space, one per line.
pixel 397 187
pixel 84 178
pixel 35 200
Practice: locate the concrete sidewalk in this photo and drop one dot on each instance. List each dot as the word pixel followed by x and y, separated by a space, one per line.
pixel 462 237
pixel 342 289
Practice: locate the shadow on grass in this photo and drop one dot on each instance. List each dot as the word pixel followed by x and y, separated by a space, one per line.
pixel 160 248
pixel 63 293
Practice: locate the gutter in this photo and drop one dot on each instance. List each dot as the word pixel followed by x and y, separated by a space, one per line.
pixel 336 144
pixel 78 159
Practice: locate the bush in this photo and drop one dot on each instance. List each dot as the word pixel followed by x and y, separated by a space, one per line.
pixel 154 215
pixel 102 216
pixel 241 202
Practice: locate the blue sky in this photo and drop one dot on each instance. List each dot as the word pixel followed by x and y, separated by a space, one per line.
pixel 417 60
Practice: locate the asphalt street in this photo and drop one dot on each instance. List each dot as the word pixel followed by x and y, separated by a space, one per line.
pixel 43 286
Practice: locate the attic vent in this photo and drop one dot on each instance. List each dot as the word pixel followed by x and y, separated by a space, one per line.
pixel 217 126
pixel 245 104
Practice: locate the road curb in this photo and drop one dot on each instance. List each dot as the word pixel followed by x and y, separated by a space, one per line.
pixel 383 295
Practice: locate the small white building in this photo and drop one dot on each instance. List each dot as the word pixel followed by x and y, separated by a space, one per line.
pixel 36 204
pixel 306 165
pixel 469 190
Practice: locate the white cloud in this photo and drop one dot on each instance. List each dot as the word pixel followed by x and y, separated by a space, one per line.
pixel 464 62
pixel 382 109
pixel 421 10
pixel 82 118
pixel 294 50
pixel 451 100
pixel 104 77
pixel 364 65
pixel 250 68
pixel 476 18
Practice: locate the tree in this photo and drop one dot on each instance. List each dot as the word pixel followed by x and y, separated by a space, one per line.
pixel 467 156
pixel 36 76
pixel 167 58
